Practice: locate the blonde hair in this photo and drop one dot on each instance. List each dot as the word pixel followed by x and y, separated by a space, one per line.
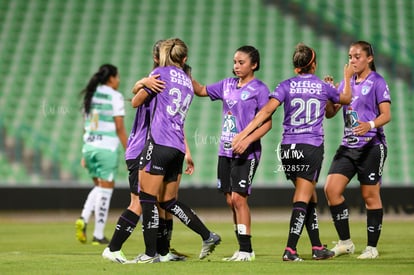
pixel 172 52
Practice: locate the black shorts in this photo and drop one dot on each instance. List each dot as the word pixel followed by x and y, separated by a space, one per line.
pixel 235 174
pixel 162 160
pixel 133 169
pixel 367 162
pixel 301 161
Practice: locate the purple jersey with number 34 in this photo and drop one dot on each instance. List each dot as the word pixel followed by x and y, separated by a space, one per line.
pixel 169 108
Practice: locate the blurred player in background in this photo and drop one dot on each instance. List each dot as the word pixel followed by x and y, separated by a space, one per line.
pixel 104 112
pixel 243 96
pixel 363 150
pixel 301 152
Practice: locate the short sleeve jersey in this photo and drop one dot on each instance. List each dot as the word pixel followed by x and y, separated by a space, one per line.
pixel 304 97
pixel 240 105
pixel 366 97
pixel 139 132
pixel 169 108
pixel 100 130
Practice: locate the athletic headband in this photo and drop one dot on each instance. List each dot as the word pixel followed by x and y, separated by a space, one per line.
pixel 299 69
pixel 310 62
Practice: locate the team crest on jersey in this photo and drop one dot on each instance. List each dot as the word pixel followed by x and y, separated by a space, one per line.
pixel 231 102
pixel 365 90
pixel 244 95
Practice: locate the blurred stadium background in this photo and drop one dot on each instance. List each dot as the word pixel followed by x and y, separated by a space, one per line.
pixel 50 48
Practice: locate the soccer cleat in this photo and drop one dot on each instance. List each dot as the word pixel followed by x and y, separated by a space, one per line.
pixel 229 259
pixel 97 241
pixel 114 256
pixel 171 257
pixel 209 245
pixel 145 259
pixel 344 247
pixel 175 252
pixel 291 255
pixel 80 230
pixel 241 256
pixel 369 252
pixel 321 253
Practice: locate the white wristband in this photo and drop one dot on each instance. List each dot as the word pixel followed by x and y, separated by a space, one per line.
pixel 372 124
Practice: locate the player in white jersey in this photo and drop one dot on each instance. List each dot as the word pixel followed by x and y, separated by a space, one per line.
pixel 104 112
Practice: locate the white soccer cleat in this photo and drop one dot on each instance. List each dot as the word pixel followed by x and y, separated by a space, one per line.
pixel 369 252
pixel 229 259
pixel 171 257
pixel 114 256
pixel 145 259
pixel 344 247
pixel 241 256
pixel 209 245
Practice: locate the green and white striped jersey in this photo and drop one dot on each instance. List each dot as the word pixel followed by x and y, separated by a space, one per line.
pixel 100 131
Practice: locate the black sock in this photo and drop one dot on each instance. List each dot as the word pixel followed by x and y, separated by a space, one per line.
pixel 124 228
pixel 340 217
pixel 245 243
pixel 374 225
pixel 312 225
pixel 297 220
pixel 150 222
pixel 162 242
pixel 169 223
pixel 187 216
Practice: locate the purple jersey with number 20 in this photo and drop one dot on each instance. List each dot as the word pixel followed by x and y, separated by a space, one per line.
pixel 304 97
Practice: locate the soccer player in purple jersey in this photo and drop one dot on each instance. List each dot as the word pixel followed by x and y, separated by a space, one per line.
pixel 136 141
pixel 363 150
pixel 301 151
pixel 162 157
pixel 130 217
pixel 242 96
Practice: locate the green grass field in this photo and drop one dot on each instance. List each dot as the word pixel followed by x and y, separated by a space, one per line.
pixel 45 247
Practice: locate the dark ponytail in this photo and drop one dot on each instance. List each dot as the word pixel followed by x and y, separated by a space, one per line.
pixel 100 77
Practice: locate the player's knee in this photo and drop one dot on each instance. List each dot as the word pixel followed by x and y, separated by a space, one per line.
pixel 167 205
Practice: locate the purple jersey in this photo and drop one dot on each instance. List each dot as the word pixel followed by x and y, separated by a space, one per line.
pixel 366 97
pixel 139 131
pixel 240 106
pixel 169 108
pixel 304 97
